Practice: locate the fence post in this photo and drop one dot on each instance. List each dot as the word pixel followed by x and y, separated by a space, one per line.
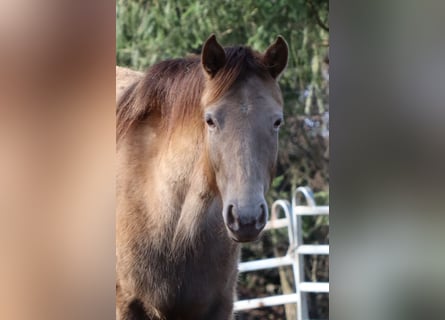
pixel 302 312
pixel 287 279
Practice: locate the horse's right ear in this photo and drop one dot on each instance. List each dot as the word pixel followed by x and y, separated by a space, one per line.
pixel 213 56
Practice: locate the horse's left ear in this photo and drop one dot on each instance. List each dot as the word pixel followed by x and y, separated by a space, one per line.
pixel 213 56
pixel 275 57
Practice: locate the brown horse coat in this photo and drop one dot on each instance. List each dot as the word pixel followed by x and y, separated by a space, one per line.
pixel 185 182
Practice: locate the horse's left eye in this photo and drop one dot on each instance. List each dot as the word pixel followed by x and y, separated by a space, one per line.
pixel 277 124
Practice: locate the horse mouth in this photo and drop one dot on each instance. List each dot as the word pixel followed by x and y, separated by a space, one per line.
pixel 243 238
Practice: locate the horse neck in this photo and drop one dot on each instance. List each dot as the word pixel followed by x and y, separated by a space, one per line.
pixel 188 184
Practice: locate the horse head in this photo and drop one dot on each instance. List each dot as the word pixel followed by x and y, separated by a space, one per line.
pixel 242 126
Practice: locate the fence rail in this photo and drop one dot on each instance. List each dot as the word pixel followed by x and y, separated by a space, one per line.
pixel 292 220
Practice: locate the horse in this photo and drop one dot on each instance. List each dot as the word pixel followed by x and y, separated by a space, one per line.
pixel 124 78
pixel 197 143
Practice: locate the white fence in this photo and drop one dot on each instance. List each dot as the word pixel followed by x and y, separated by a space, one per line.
pixel 292 220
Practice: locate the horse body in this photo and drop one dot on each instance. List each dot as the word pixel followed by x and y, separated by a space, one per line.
pixel 125 77
pixel 187 273
pixel 184 188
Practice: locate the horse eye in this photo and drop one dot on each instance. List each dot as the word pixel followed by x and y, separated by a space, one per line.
pixel 277 123
pixel 210 122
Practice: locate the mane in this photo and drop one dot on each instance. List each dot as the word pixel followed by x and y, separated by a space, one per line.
pixel 173 89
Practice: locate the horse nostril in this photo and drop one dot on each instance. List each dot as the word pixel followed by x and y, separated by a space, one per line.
pixel 232 220
pixel 261 222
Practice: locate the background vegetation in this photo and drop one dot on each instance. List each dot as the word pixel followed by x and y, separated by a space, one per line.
pixel 148 31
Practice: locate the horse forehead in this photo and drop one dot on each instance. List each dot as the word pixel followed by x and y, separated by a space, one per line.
pixel 249 95
pixel 255 95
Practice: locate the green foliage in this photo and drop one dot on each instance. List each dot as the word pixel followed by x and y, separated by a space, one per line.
pixel 321 198
pixel 149 31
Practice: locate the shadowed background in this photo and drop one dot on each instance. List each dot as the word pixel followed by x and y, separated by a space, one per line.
pixel 387 161
pixel 57 128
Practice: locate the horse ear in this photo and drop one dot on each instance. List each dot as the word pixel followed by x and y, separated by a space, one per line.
pixel 275 57
pixel 213 56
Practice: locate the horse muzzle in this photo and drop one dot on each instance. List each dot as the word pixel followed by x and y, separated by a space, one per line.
pixel 245 223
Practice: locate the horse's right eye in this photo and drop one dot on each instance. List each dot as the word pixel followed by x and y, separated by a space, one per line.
pixel 210 123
